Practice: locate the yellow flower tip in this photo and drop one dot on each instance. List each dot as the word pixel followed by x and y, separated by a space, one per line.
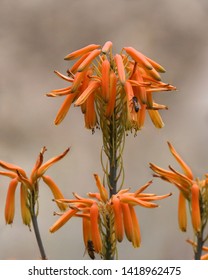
pixel 195 208
pixel 156 118
pixel 81 51
pixel 106 47
pixel 138 57
pixel 184 166
pixel 157 66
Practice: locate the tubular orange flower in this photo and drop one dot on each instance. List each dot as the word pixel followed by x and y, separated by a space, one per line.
pixel 182 218
pixel 136 229
pixel 88 60
pixel 64 218
pixel 107 47
pixel 127 220
pixel 116 205
pixel 81 51
pixel 96 239
pixel 105 82
pixel 93 85
pixel 138 57
pixel 10 201
pixel 120 68
pixel 195 208
pixel 64 109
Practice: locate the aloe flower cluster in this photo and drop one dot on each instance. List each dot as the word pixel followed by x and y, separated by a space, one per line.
pixel 106 220
pixel 193 192
pixel 102 83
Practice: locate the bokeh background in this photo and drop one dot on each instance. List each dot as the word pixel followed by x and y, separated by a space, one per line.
pixel 35 36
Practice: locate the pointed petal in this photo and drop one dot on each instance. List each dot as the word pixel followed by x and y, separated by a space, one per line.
pixel 63 219
pixel 50 162
pixel 38 163
pixel 68 79
pixel 12 167
pixel 184 166
pixel 8 174
pixel 64 109
pixel 140 190
pixel 55 190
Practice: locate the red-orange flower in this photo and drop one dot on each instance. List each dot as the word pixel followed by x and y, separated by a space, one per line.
pixel 100 214
pixel 29 186
pixel 122 83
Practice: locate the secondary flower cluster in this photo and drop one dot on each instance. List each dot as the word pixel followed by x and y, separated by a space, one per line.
pixel 98 212
pixel 29 186
pixel 194 191
pixel 120 84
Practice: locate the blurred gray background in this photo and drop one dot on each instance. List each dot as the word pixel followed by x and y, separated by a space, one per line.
pixel 35 36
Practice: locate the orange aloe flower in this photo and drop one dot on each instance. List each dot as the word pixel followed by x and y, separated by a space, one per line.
pixel 122 84
pixel 29 186
pixel 98 212
pixel 191 190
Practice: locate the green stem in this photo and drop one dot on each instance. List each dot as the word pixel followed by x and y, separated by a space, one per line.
pixel 113 158
pixel 36 228
pixel 198 251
